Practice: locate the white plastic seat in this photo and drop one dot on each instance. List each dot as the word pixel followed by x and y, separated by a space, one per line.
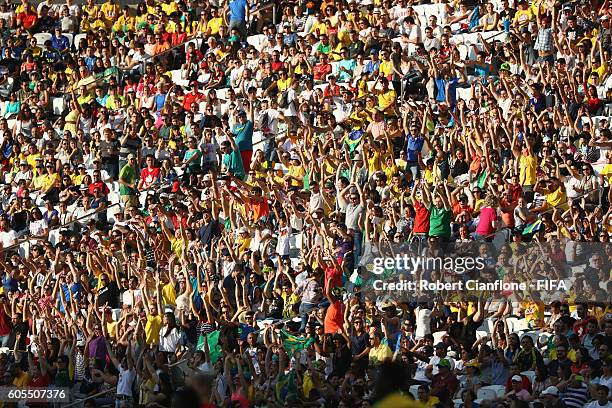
pixel 529 374
pixel 41 38
pixel 485 393
pixel 59 105
pixel 439 335
pixel 510 321
pixel 70 38
pixel 499 390
pixel 257 41
pixel 481 333
pixel 533 335
pixel 77 40
pixel 521 324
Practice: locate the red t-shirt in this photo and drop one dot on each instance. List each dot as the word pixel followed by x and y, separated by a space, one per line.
pixel 190 98
pixel 320 70
pixel 335 275
pixel 276 65
pixel 421 219
pixel 5 323
pixel 100 185
pixel 42 381
pixel 149 176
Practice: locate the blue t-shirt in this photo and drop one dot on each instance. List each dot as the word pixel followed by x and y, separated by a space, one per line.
pixel 10 284
pixel 482 70
pixel 413 147
pixel 237 10
pixel 160 101
pixel 244 135
pixel 452 89
pixel 372 66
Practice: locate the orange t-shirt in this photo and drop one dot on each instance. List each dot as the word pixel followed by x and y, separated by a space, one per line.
pixel 334 317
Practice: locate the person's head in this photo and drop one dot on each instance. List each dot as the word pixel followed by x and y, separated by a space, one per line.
pixel 423 393
pixel 517 383
pixel 440 349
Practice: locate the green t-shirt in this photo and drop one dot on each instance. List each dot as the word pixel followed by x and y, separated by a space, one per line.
pixel 233 162
pixel 439 222
pixel 128 174
pixel 194 165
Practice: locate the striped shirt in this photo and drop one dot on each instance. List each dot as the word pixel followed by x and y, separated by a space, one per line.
pixel 575 397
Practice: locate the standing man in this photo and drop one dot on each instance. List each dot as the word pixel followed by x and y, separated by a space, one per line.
pixel 239 14
pixel 243 134
pixel 127 180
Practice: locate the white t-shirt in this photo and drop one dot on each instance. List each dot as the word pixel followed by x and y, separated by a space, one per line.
pixel 38 227
pixel 8 238
pixel 435 360
pixel 291 110
pixel 170 342
pixel 596 404
pixel 125 381
pixel 131 297
pixel 423 322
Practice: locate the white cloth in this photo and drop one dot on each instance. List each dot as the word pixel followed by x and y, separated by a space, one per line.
pixel 423 320
pixel 125 381
pixel 170 342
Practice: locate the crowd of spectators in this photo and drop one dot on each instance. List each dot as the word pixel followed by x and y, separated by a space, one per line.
pixel 193 191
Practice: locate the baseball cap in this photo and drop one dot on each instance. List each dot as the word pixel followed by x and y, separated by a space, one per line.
pixel 517 378
pixel 131 156
pixel 604 18
pixel 552 390
pixel 444 363
pixel 441 345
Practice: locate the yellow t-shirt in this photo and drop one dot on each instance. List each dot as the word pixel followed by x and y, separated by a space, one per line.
pixel 374 163
pixel 385 69
pixel 607 172
pixel 601 71
pixel 289 302
pixel 31 159
pixel 282 85
pixel 110 10
pixel 528 167
pixel 245 243
pixel 124 23
pixel 387 99
pixel 557 198
pixel 49 179
pixel 152 328
pixel 534 313
pixel 168 294
pixel 92 11
pixel 380 353
pixel 431 402
pixel 298 172
pixel 169 8
pixel 111 328
pixel 522 17
pixel 321 27
pixel 23 380
pixel 178 246
pixel 214 24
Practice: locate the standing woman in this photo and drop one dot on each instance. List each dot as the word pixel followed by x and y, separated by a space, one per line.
pixel 192 161
pixel 72 118
pixel 169 335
